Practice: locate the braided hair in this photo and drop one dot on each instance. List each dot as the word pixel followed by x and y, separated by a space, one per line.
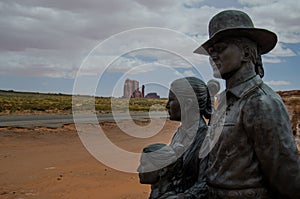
pixel 182 89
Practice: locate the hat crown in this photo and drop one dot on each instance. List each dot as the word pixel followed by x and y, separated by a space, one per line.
pixel 235 23
pixel 229 19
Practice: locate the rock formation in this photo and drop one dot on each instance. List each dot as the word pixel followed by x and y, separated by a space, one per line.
pixel 292 103
pixel 152 95
pixel 131 90
pixel 137 94
pixel 130 86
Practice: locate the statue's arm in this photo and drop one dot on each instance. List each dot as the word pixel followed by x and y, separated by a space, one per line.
pixel 199 189
pixel 268 126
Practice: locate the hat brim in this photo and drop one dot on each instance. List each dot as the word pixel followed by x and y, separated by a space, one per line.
pixel 265 39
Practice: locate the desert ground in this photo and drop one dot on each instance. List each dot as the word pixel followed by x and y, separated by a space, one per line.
pixel 53 163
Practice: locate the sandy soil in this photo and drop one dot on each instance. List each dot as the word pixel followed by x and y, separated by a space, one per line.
pixel 53 163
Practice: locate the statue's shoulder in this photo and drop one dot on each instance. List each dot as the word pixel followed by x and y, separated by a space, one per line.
pixel 264 99
pixel 262 93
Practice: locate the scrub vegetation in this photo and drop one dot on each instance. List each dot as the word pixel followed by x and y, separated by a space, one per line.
pixel 38 103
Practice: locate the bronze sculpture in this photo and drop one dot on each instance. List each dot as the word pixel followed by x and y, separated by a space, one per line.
pixel 190 102
pixel 213 87
pixel 256 154
pixel 158 166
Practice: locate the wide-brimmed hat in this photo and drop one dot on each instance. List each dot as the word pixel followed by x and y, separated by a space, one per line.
pixel 235 23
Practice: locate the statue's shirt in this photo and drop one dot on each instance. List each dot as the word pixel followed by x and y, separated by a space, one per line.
pixel 256 148
pixel 183 138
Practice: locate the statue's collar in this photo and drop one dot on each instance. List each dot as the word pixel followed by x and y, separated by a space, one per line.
pixel 245 87
pixel 190 129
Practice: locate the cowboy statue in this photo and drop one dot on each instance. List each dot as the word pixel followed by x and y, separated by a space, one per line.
pixel 255 155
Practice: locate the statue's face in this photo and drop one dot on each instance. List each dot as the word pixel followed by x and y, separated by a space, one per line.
pixel 150 177
pixel 173 107
pixel 225 58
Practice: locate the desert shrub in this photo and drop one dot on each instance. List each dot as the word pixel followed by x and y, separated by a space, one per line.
pixel 30 102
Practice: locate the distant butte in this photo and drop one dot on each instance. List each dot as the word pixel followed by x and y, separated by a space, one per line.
pixel 131 90
pixel 291 100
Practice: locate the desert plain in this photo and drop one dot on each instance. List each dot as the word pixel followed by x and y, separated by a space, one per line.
pixel 53 163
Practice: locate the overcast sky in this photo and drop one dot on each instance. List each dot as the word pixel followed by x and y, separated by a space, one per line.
pixel 46 44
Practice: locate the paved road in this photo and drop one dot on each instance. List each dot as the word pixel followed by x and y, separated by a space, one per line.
pixel 54 121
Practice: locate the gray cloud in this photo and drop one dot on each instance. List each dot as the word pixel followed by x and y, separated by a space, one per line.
pixel 50 37
pixel 278 83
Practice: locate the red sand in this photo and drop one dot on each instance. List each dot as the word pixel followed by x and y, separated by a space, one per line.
pixel 53 163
